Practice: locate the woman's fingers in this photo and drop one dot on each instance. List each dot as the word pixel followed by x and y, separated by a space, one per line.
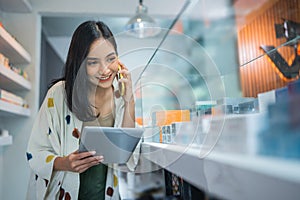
pixel 124 72
pixel 126 80
pixel 122 66
pixel 79 162
pixel 87 159
pixel 114 66
pixel 83 167
pixel 85 154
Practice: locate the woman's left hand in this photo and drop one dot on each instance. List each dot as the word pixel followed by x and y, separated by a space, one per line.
pixel 126 80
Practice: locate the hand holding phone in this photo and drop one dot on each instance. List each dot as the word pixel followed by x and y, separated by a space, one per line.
pixel 122 85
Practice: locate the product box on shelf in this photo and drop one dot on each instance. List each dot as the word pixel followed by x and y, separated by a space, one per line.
pixel 282 138
pixel 183 133
pixel 265 99
pixel 234 133
pixel 4 60
pixel 12 98
pixel 247 107
pixel 281 94
pixel 203 107
pixel 232 105
pixel 294 87
pixel 164 119
pixel 4 133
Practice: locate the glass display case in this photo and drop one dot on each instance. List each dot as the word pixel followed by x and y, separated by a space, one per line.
pixel 219 96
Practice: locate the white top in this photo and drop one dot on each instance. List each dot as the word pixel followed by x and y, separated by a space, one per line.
pixel 51 136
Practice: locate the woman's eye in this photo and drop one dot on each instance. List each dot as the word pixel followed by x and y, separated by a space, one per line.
pixel 92 63
pixel 111 59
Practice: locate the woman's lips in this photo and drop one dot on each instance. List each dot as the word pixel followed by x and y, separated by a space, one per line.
pixel 104 78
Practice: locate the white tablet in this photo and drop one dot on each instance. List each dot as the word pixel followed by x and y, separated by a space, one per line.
pixel 115 144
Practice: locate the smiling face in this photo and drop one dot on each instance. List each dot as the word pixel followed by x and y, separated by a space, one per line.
pixel 100 63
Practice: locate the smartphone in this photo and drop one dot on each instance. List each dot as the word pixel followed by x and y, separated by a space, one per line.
pixel 122 85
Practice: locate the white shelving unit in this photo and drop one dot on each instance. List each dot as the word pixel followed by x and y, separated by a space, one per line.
pixel 18 123
pixel 9 80
pixel 12 81
pixel 7 140
pixel 12 49
pixel 228 175
pixel 9 109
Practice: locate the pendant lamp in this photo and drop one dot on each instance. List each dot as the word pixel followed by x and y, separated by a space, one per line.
pixel 141 25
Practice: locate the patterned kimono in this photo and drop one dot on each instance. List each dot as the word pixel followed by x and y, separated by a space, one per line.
pixel 51 136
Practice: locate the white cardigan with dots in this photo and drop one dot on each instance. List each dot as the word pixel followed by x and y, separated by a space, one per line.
pixel 51 136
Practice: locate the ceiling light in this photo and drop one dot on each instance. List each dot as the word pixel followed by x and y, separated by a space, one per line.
pixel 141 25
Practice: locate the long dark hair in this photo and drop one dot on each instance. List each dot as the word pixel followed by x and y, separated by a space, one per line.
pixel 75 75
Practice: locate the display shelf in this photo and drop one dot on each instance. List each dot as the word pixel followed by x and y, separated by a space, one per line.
pixel 8 109
pixel 7 140
pixel 229 176
pixel 12 49
pixel 9 80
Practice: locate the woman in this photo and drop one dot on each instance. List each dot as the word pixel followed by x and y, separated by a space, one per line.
pixel 88 94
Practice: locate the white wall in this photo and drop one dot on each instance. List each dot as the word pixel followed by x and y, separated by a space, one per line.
pixel 15 172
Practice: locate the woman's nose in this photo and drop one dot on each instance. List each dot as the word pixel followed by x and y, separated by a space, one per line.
pixel 103 69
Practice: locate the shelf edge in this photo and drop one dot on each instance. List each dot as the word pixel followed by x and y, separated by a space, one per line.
pixel 16 46
pixel 14 77
pixel 13 109
pixel 7 140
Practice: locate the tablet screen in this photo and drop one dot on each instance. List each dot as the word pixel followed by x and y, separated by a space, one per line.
pixel 115 144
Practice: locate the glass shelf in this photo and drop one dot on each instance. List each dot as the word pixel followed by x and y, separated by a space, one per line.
pixel 229 175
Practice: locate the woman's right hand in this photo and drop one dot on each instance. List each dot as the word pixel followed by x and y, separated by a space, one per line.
pixel 77 162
